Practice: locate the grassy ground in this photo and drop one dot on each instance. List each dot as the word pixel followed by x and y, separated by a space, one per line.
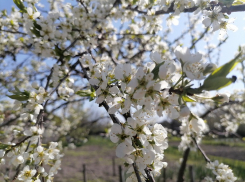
pixel 196 160
pixel 231 142
pixel 98 154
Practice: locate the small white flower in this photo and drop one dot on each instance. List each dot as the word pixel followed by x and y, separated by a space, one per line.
pixel 213 18
pixel 197 125
pixel 17 159
pixel 2 153
pixel 124 148
pixel 193 67
pixel 173 19
pixel 26 174
pixel 30 14
pixel 156 57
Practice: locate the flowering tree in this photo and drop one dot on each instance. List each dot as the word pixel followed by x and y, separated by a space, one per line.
pixel 118 53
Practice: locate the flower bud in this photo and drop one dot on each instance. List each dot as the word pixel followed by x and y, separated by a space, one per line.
pixel 165 164
pixel 2 152
pixel 209 68
pixel 34 85
pixel 221 98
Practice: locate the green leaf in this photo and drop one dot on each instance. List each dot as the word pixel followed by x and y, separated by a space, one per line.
pixel 217 79
pixel 20 5
pixel 187 98
pixel 58 51
pixel 217 83
pixel 155 71
pixel 36 32
pixel 238 2
pixel 226 2
pixel 20 96
pixel 224 70
pixel 36 25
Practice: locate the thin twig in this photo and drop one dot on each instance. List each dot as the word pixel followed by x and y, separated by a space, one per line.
pixel 136 172
pixel 150 177
pixel 86 9
pixel 10 121
pixel 62 80
pixel 201 150
pixel 201 36
pixel 14 32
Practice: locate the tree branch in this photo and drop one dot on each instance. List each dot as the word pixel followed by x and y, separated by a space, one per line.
pixel 136 172
pixel 228 10
pixel 149 175
pixel 183 166
pixel 215 108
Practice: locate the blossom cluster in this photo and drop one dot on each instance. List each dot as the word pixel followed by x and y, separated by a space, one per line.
pixel 223 172
pixel 156 88
pixel 30 104
pixel 141 143
pixel 29 155
pixel 147 89
pixel 60 72
pixel 231 117
pixel 33 157
pixel 162 86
